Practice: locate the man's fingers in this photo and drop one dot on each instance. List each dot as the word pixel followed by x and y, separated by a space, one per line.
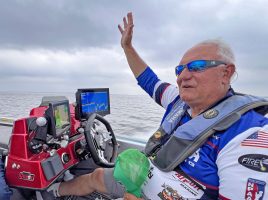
pixel 131 29
pixel 120 29
pixel 130 18
pixel 125 23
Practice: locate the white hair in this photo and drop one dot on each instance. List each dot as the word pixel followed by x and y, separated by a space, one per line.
pixel 224 50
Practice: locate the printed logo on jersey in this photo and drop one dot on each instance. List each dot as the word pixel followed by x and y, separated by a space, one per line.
pixel 168 193
pixel 212 113
pixel 258 139
pixel 175 114
pixel 191 186
pixel 173 185
pixel 256 162
pixel 194 158
pixel 255 189
pixel 150 174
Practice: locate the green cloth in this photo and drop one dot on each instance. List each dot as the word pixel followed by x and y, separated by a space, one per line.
pixel 131 169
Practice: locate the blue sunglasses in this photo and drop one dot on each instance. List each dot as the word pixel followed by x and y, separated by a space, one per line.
pixel 197 66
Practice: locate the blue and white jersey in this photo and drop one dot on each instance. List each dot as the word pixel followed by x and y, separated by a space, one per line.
pixel 232 164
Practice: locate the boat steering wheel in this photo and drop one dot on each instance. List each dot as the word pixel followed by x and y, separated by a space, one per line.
pixel 97 141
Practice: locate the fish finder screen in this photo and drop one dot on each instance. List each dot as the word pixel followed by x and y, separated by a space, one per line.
pixel 62 117
pixel 58 114
pixel 93 101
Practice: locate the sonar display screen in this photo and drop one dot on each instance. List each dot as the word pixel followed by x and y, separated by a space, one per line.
pixel 95 102
pixel 58 115
pixel 61 113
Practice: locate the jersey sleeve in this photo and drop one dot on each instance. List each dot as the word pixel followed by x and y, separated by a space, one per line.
pixel 243 165
pixel 162 92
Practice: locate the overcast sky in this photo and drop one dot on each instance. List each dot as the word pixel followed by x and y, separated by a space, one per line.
pixel 62 45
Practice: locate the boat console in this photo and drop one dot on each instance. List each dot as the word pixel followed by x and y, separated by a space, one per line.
pixel 57 135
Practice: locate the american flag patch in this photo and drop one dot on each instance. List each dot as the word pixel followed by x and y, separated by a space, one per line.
pixel 258 139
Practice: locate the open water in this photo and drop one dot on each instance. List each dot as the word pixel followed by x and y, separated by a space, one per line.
pixel 134 116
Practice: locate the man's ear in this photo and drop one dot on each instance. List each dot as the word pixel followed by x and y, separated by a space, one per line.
pixel 228 72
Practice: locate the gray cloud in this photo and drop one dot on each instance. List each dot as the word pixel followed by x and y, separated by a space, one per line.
pixel 51 24
pixel 76 43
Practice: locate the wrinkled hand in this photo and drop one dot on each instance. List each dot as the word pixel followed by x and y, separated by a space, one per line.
pixel 127 31
pixel 128 196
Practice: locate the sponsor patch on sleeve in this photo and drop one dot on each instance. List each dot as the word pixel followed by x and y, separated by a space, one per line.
pixel 256 162
pixel 255 189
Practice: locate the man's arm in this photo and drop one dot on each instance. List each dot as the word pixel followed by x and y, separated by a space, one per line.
pixel 163 93
pixel 136 64
pixel 128 196
pixel 80 186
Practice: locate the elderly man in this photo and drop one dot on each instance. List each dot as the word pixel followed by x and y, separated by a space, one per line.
pixel 208 145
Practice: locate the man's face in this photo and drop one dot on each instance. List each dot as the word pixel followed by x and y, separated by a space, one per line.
pixel 201 89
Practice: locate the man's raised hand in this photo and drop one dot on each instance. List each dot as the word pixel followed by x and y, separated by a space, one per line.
pixel 127 31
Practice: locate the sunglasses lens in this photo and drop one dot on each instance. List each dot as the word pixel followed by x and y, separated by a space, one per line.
pixel 178 70
pixel 197 65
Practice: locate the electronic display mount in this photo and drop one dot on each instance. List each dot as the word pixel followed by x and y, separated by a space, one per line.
pixel 92 100
pixel 58 115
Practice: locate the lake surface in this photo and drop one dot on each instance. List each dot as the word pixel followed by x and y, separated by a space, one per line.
pixel 135 116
